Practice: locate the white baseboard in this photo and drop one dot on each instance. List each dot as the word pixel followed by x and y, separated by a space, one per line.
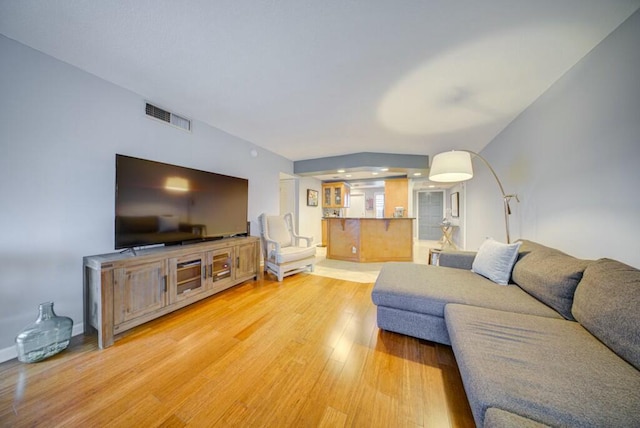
pixel 10 353
pixel 7 354
pixel 77 329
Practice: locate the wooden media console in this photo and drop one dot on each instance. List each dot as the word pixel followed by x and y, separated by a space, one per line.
pixel 123 290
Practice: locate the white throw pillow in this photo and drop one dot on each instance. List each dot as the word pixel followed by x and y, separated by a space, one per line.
pixel 495 260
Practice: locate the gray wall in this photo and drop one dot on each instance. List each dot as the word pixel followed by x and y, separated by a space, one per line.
pixel 60 129
pixel 309 218
pixel 573 157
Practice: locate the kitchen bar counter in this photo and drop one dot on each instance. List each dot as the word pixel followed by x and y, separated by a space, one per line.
pixel 370 239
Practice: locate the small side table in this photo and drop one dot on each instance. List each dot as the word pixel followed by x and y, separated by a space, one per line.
pixel 447 236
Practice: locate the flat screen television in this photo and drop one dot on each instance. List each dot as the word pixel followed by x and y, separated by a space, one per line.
pixel 159 203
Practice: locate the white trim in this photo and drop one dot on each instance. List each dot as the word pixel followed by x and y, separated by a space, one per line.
pixel 7 354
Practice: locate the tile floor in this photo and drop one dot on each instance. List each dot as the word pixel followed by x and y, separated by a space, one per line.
pixel 363 272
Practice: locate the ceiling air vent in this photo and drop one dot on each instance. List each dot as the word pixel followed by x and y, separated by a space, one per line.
pixel 168 117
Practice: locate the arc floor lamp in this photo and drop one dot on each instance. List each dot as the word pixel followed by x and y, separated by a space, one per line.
pixel 455 166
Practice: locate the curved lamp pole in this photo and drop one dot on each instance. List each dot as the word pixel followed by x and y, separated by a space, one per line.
pixel 455 166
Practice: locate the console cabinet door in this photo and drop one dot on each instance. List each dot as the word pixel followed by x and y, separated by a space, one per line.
pixel 188 276
pixel 138 290
pixel 222 268
pixel 246 259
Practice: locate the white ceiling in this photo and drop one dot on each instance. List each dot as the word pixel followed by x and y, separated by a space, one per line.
pixel 308 78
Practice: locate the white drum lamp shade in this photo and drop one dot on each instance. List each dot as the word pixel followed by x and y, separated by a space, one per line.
pixel 451 167
pixel 455 166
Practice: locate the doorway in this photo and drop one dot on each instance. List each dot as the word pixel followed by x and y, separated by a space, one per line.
pixel 287 196
pixel 356 206
pixel 430 215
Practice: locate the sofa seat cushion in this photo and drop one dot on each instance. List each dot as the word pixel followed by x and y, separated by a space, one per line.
pixel 548 370
pixel 414 324
pixel 427 289
pixel 290 254
pixel 607 303
pixel 498 418
pixel 549 275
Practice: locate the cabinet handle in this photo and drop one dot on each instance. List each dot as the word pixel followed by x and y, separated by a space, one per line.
pixel 238 262
pixel 211 270
pixel 164 283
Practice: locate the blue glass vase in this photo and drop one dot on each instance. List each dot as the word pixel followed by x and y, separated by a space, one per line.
pixel 47 336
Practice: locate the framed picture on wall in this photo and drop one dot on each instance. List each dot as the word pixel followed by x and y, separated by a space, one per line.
pixel 312 198
pixel 455 204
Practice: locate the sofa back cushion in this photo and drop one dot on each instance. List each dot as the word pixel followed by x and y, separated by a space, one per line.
pixel 549 275
pixel 607 303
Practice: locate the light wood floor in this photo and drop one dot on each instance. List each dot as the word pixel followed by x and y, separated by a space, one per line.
pixel 302 353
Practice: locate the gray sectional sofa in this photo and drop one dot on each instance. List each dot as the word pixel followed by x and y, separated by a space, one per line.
pixel 558 346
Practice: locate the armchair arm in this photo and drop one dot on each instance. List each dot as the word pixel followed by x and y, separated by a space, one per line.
pixel 288 218
pixel 268 244
pixel 298 238
pixel 457 259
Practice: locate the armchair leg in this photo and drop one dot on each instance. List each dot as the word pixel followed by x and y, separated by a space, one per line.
pixel 290 268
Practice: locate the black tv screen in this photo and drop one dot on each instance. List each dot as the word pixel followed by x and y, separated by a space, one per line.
pixel 159 203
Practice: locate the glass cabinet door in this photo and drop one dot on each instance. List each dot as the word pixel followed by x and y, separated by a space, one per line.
pixel 327 197
pixel 337 196
pixel 222 265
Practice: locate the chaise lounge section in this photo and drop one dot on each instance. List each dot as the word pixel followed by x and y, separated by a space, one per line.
pixel 558 346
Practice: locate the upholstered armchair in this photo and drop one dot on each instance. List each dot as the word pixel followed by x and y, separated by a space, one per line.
pixel 283 249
